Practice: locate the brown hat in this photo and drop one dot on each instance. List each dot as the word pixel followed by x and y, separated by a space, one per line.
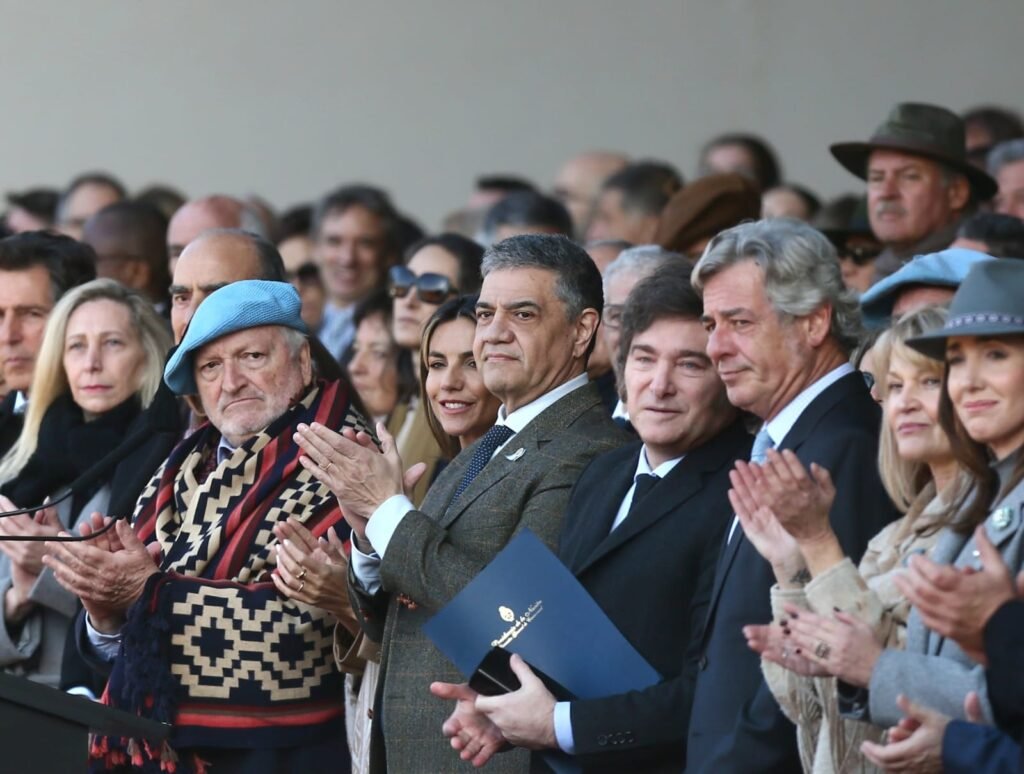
pixel 704 207
pixel 920 130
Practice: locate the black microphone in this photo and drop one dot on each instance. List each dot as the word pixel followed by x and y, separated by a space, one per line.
pixel 84 482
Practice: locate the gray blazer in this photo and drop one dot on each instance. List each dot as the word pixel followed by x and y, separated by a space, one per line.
pixel 933 670
pixel 436 551
pixel 35 647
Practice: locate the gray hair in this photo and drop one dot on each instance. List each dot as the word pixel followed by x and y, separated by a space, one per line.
pixel 578 283
pixel 801 271
pixel 1009 152
pixel 642 260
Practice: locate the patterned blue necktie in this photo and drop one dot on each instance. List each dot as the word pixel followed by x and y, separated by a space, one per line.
pixel 492 439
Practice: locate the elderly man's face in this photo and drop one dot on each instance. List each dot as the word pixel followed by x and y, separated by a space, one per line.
pixel 525 344
pixel 206 265
pixel 908 199
pixel 763 359
pixel 249 378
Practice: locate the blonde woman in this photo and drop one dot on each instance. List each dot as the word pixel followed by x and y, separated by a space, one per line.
pixel 922 477
pixel 97 381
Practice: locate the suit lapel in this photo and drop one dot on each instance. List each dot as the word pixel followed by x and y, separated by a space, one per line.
pixel 549 422
pixel 667 496
pixel 601 506
pixel 843 389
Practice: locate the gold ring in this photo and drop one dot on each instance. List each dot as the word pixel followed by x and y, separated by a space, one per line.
pixel 301 585
pixel 302 574
pixel 822 650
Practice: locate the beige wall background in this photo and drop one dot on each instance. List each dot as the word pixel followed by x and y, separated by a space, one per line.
pixel 287 99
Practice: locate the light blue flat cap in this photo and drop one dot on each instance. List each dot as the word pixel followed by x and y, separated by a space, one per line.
pixel 234 307
pixel 943 269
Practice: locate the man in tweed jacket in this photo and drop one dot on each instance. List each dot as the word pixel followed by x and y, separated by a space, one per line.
pixel 539 309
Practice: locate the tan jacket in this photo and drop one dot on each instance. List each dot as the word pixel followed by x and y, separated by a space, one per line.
pixel 828 743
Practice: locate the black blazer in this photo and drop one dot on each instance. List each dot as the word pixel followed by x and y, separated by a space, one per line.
pixel 736 725
pixel 652 576
pixel 1004 634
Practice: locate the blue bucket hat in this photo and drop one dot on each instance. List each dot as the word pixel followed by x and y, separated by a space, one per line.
pixel 943 269
pixel 234 307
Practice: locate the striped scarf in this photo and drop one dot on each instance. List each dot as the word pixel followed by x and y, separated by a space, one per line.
pixel 211 646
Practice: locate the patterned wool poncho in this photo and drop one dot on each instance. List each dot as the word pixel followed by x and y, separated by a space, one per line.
pixel 211 646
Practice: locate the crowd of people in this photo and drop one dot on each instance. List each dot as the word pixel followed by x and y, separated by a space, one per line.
pixel 245 456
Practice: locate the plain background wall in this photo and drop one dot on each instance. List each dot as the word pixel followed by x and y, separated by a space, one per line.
pixel 288 99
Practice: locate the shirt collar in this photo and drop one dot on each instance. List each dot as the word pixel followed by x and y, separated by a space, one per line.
pixel 20 402
pixel 779 427
pixel 224 450
pixel 643 466
pixel 620 411
pixel 523 415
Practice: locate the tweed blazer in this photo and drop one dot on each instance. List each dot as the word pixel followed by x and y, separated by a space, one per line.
pixel 437 550
pixel 933 670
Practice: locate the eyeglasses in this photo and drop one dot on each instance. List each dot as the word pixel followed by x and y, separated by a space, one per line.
pixel 430 288
pixel 860 255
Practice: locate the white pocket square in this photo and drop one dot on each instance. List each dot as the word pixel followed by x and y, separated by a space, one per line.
pixel 515 455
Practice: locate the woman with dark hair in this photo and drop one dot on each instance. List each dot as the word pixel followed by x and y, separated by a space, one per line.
pixel 381 372
pixel 436 269
pixel 458 407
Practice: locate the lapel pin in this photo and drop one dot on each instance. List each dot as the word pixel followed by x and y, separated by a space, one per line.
pixel 516 454
pixel 1001 518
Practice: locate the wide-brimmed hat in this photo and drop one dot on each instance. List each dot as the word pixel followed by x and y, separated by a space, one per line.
pixel 944 269
pixel 990 302
pixel 704 207
pixel 920 130
pixel 234 307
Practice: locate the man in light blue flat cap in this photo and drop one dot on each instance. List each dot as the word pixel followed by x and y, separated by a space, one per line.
pixel 258 689
pixel 927 280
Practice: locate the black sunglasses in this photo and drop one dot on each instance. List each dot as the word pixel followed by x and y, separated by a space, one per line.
pixel 430 288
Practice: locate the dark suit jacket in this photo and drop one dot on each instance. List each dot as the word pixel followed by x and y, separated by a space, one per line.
pixel 1004 635
pixel 436 551
pixel 10 423
pixel 736 725
pixel 652 576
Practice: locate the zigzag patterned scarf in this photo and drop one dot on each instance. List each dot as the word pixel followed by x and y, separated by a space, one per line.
pixel 211 646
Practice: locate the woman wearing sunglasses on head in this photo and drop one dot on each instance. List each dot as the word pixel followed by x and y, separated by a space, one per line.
pixel 435 269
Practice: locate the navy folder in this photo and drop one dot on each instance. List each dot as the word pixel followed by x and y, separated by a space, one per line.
pixel 528 602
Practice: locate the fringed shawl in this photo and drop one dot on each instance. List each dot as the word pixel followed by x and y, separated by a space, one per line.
pixel 211 646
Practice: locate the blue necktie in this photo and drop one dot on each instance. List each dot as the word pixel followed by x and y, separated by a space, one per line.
pixel 762 443
pixel 492 439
